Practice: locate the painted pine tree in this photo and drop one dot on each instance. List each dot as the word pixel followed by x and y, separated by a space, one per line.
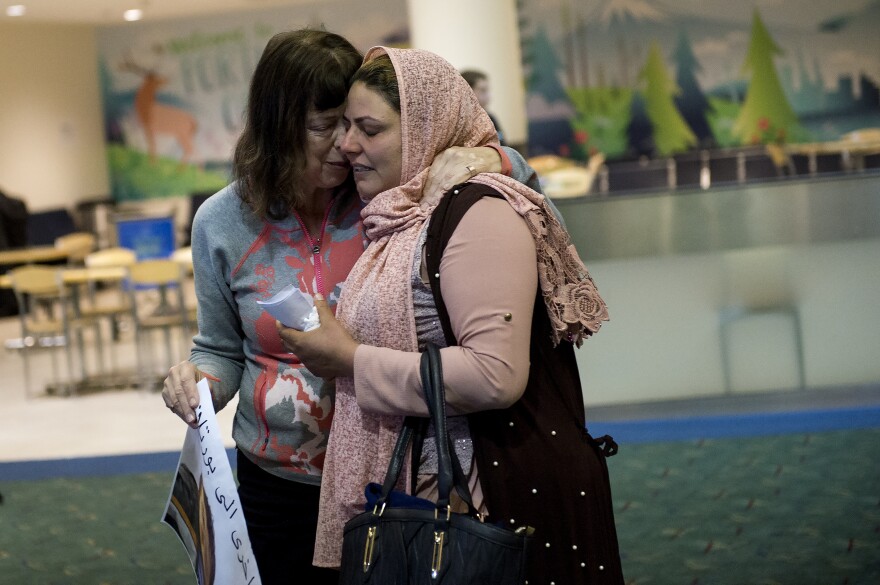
pixel 548 99
pixel 671 132
pixel 639 135
pixel 765 116
pixel 691 102
pixel 545 67
pixel 524 25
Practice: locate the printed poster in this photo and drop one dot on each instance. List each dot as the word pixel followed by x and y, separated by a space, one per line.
pixel 203 507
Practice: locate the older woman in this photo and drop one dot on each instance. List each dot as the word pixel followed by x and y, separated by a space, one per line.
pixel 291 216
pixel 509 299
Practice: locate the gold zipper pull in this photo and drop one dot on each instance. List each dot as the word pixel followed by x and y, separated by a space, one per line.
pixel 368 549
pixel 439 539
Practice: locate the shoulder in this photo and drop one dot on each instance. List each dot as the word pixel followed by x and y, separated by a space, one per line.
pixel 492 231
pixel 225 208
pixel 492 213
pixel 461 198
pixel 483 208
pixel 483 198
pixel 223 221
pixel 222 202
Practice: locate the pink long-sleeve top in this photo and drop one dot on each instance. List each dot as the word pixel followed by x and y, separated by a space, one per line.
pixel 488 278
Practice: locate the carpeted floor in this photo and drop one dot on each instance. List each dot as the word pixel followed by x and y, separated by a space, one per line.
pixel 801 509
pixel 793 509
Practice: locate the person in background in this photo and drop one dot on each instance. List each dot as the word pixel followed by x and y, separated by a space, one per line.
pixel 13 222
pixel 13 234
pixel 479 82
pixel 291 215
pixel 507 298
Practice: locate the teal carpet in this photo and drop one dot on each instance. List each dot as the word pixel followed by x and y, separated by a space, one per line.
pixel 794 509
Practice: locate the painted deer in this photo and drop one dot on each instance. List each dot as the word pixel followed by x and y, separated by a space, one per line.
pixel 159 119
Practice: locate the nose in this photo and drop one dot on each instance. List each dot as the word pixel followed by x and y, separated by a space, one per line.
pixel 347 143
pixel 338 134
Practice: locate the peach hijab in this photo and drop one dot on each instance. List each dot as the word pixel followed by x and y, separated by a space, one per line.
pixel 437 110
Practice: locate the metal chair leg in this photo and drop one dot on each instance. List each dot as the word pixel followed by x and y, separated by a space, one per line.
pixel 68 351
pixel 55 374
pixel 27 369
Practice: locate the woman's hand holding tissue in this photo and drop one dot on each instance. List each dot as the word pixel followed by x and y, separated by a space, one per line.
pixel 327 351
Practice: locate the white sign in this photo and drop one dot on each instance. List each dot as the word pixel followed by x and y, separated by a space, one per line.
pixel 203 507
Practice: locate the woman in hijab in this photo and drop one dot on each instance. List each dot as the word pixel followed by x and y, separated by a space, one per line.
pixel 515 299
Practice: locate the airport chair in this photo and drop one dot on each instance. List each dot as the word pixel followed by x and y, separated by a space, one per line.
pixel 78 245
pixel 107 299
pixel 157 303
pixel 183 256
pixel 47 320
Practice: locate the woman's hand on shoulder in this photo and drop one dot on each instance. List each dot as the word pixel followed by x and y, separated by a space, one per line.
pixel 327 351
pixel 456 165
pixel 180 393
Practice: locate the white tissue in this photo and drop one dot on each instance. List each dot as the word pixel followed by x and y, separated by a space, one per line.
pixel 294 308
pixel 311 321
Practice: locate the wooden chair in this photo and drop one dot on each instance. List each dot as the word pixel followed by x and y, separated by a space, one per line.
pixel 108 298
pixel 46 317
pixel 156 293
pixel 78 245
pixel 183 256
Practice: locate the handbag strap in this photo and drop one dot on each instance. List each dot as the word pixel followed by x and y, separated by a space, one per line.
pixel 397 457
pixel 432 383
pixel 449 471
pixel 420 431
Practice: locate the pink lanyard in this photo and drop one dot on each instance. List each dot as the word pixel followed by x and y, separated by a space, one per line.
pixel 315 245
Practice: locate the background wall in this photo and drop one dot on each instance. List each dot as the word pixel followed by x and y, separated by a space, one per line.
pixel 664 337
pixel 51 132
pixel 735 290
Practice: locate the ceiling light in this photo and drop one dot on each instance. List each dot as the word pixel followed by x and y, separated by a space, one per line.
pixel 133 14
pixel 15 10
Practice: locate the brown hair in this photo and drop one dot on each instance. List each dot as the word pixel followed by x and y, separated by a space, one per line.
pixel 379 75
pixel 299 70
pixel 472 76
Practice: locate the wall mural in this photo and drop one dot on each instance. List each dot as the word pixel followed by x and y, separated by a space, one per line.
pixel 629 78
pixel 174 92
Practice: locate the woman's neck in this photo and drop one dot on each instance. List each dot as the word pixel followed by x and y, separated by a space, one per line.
pixel 313 209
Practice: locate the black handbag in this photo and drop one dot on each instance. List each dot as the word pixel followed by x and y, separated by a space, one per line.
pixel 405 540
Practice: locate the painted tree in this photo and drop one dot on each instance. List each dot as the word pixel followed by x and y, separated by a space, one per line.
pixel 524 25
pixel 766 115
pixel 545 66
pixel 671 132
pixel 639 134
pixel 551 131
pixel 691 102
